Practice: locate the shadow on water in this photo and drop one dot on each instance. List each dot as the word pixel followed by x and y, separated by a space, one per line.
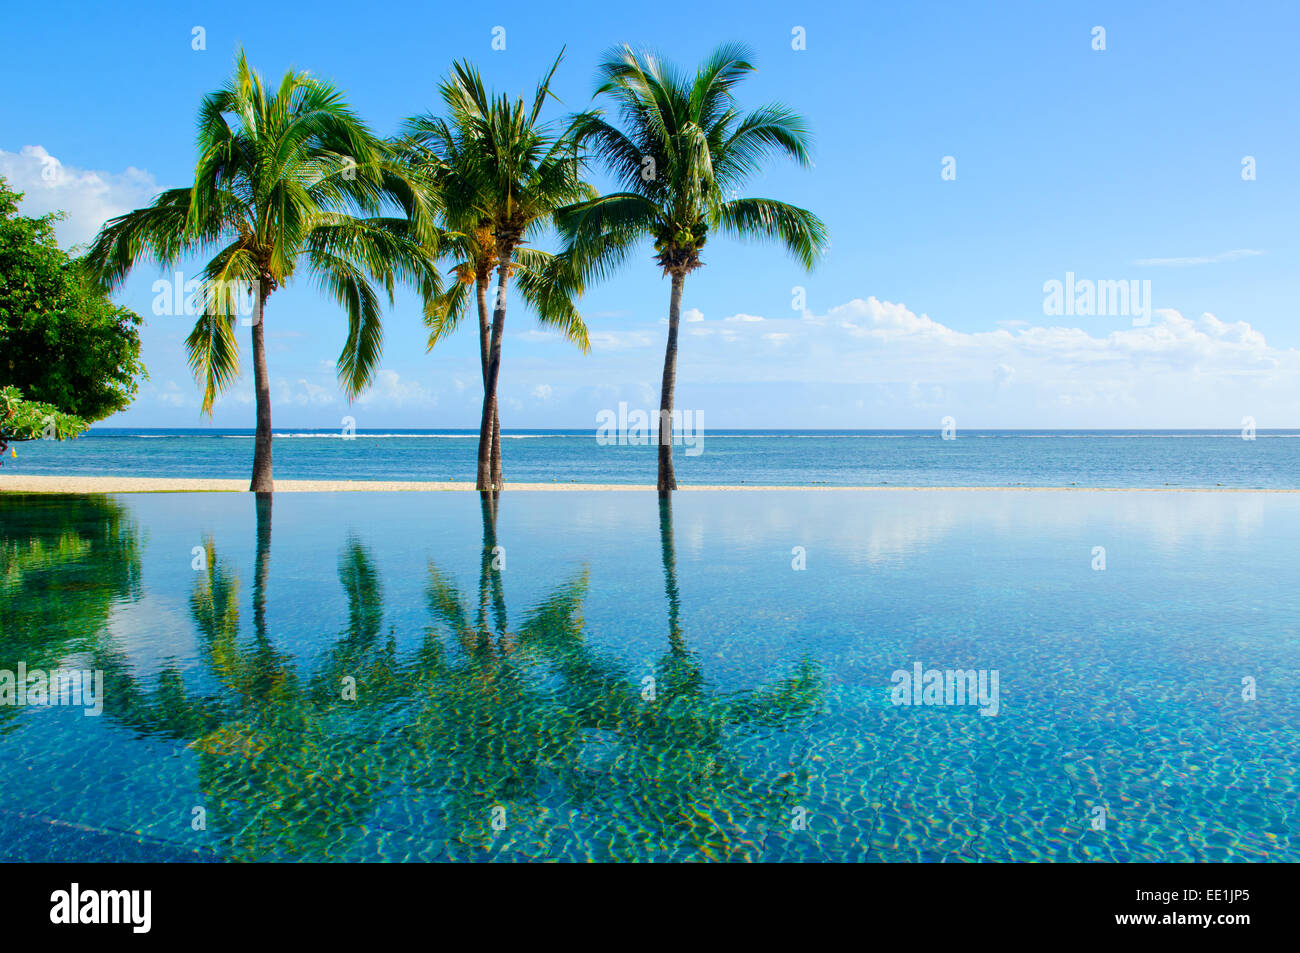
pixel 495 735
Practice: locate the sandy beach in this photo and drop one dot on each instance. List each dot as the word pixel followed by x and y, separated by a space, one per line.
pixel 15 483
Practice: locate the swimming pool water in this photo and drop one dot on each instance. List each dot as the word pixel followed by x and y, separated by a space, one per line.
pixel 426 676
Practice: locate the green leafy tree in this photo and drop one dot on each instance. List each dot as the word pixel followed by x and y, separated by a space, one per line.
pixel 683 154
pixel 285 177
pixel 31 420
pixel 62 341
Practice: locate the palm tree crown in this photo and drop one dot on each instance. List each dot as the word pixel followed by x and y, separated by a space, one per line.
pixel 685 151
pixel 284 176
pixel 683 154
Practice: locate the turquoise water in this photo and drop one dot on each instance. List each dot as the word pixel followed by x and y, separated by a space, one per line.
pixel 503 713
pixel 1203 458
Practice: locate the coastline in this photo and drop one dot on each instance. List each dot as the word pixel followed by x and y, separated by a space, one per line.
pixel 48 483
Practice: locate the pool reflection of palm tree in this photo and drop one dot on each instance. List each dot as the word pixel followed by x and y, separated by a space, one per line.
pixel 545 706
pixel 286 768
pixel 296 769
pixel 488 732
pixel 247 675
pixel 482 715
pixel 691 780
pixel 362 666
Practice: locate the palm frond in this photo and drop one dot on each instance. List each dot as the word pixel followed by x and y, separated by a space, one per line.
pixel 726 66
pixel 768 130
pixel 801 232
pixel 213 355
pixel 443 312
pixel 158 232
pixel 550 285
pixel 347 285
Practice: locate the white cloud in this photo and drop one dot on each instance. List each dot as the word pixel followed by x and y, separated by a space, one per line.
pixel 389 390
pixel 1174 340
pixel 89 198
pixel 693 315
pixel 1177 371
pixel 542 392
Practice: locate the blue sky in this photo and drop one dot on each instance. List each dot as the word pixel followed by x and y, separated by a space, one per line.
pixel 1122 164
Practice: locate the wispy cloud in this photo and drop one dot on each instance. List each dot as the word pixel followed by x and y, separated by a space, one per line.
pixel 303 392
pixel 1234 255
pixel 620 340
pixel 389 390
pixel 173 395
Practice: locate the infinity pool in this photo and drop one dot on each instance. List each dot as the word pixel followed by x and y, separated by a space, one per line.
pixel 579 676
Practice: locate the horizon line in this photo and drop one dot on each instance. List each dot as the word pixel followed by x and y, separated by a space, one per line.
pixel 719 430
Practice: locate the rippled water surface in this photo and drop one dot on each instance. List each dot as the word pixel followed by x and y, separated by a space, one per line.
pixel 594 676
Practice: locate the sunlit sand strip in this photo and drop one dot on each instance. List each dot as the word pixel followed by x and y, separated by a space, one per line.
pixel 17 483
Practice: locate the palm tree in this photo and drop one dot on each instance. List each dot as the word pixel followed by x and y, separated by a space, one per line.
pixel 446 156
pixel 500 174
pixel 684 152
pixel 284 176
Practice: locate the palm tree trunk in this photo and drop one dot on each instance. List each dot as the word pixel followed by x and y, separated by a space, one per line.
pixel 497 480
pixel 490 577
pixel 481 286
pixel 262 481
pixel 667 478
pixel 265 661
pixel 488 422
pixel 262 563
pixel 669 552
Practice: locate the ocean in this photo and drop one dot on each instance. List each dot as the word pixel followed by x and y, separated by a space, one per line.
pixel 1086 458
